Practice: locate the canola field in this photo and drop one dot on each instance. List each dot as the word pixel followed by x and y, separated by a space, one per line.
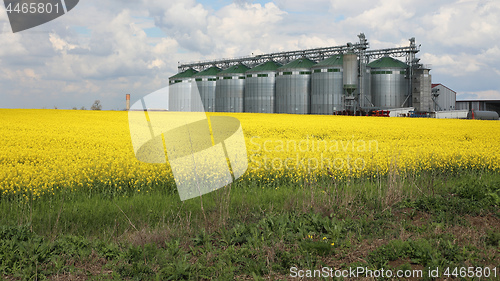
pixel 48 151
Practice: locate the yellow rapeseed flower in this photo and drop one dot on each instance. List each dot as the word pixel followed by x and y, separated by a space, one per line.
pixel 47 150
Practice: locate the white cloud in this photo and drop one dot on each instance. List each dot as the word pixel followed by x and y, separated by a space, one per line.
pixel 299 6
pixel 454 65
pixel 59 44
pixel 244 27
pixel 236 27
pixel 479 95
pixel 156 63
pixel 464 24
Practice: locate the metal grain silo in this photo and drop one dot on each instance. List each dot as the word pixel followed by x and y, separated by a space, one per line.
pixel 327 86
pixel 206 82
pixel 293 87
pixel 260 88
pixel 350 74
pixel 230 89
pixel 180 91
pixel 366 100
pixel 389 83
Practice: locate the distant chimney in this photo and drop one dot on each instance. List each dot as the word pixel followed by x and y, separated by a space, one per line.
pixel 128 102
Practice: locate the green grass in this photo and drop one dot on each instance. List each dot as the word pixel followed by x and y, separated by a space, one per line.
pixel 253 230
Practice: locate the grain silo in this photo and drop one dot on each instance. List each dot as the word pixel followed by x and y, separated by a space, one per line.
pixel 327 86
pixel 293 87
pixel 180 91
pixel 350 74
pixel 206 82
pixel 350 80
pixel 389 83
pixel 365 100
pixel 230 89
pixel 260 88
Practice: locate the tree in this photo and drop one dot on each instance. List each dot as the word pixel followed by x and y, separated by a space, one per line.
pixel 97 105
pixel 83 108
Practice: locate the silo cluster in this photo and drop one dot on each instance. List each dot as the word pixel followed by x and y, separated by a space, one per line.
pixel 303 86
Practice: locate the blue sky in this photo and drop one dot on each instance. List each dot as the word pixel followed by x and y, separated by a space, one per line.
pixel 104 50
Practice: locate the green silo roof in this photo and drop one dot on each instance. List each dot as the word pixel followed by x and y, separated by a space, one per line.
pixel 212 71
pixel 185 74
pixel 333 60
pixel 387 62
pixel 299 63
pixel 267 66
pixel 239 68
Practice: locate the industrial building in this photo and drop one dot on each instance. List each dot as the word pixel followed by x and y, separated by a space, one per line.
pixel 350 79
pixel 444 98
pixel 478 105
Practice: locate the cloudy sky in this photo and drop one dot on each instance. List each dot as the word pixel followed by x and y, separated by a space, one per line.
pixel 106 49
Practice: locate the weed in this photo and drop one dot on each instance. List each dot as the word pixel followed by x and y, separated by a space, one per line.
pixel 254 232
